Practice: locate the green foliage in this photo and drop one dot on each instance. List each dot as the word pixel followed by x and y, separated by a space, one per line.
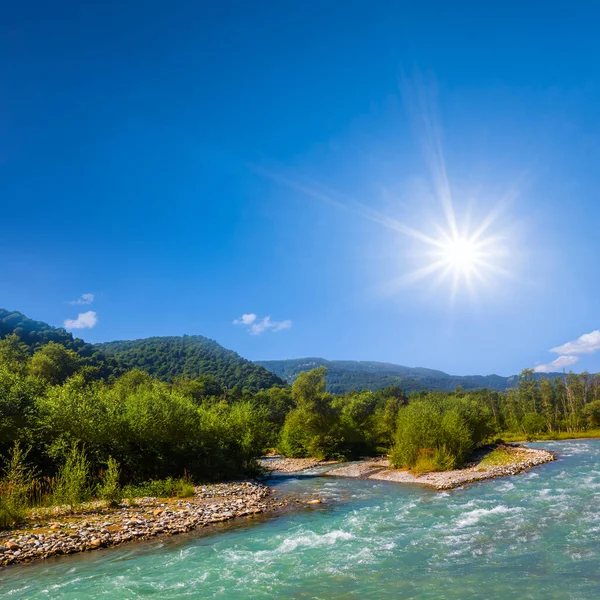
pixel 192 357
pixel 18 394
pixel 345 376
pixel 161 488
pixel 190 406
pixel 439 431
pixel 15 487
pixel 73 479
pixel 168 358
pixel 13 353
pixel 185 488
pixel 109 488
pixel 312 428
pixel 53 363
pixel 497 457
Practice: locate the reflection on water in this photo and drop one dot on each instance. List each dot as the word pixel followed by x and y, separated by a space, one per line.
pixel 530 536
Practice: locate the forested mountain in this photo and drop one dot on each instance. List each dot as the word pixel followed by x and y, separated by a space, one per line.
pixel 168 358
pixel 347 375
pixel 164 357
pixel 190 356
pixel 37 333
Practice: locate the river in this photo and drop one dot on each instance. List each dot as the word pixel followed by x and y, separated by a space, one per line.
pixel 534 535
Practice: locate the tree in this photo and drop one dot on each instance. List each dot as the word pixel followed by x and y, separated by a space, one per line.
pixel 54 363
pixel 311 429
pixel 13 353
pixel 438 432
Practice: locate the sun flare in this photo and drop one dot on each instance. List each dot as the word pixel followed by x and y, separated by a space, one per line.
pixel 461 254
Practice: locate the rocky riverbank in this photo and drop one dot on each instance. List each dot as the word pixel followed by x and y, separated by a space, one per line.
pixel 148 517
pixel 281 464
pixel 520 458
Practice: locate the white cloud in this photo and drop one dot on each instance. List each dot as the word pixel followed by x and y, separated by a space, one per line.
pixel 245 319
pixel 282 325
pixel 85 320
pixel 588 343
pixel 83 299
pixel 556 365
pixel 258 326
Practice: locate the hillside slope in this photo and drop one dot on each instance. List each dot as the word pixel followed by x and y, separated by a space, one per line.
pixel 190 356
pixel 345 375
pixel 164 357
pixel 37 333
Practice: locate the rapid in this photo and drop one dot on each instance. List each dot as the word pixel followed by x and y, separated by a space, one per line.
pixel 533 535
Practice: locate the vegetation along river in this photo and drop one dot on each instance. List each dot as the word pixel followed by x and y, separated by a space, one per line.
pixel 534 535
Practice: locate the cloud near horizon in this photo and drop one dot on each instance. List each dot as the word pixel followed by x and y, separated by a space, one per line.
pixel 556 365
pixel 257 325
pixel 83 299
pixel 85 320
pixel 588 343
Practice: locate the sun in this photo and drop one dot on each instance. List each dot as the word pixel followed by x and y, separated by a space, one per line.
pixel 461 255
pixel 464 258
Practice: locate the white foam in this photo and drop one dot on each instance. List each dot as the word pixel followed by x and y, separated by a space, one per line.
pixel 474 516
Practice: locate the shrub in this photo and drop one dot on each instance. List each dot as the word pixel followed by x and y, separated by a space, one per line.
pixel 109 489
pixel 14 488
pixel 160 488
pixel 293 440
pixel 425 461
pixel 444 460
pixel 447 428
pixel 72 481
pixel 185 488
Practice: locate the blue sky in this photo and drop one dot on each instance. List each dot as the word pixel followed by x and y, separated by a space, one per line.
pixel 188 163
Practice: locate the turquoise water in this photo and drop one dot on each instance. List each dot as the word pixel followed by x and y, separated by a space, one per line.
pixel 534 535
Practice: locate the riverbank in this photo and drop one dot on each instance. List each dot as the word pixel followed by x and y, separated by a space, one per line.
pixel 280 464
pixel 562 436
pixel 514 459
pixel 53 533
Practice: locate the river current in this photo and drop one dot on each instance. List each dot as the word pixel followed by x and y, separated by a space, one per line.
pixel 534 535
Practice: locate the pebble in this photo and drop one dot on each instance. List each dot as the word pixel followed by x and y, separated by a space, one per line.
pixel 149 517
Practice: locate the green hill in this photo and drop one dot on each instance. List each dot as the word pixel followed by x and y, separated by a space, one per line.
pixel 37 333
pixel 164 357
pixel 190 356
pixel 345 375
pixel 195 355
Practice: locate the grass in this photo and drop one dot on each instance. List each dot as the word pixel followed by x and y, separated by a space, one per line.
pixel 161 488
pixel 430 461
pixel 497 457
pixel 556 435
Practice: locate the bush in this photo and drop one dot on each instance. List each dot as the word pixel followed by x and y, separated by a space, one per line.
pixel 185 488
pixel 161 488
pixel 293 441
pixel 313 428
pixel 109 489
pixel 437 433
pixel 14 488
pixel 72 481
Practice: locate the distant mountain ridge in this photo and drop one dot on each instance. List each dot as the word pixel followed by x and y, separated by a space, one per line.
pixel 346 375
pixel 195 355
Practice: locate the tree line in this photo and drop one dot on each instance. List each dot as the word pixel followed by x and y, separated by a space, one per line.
pixel 61 422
